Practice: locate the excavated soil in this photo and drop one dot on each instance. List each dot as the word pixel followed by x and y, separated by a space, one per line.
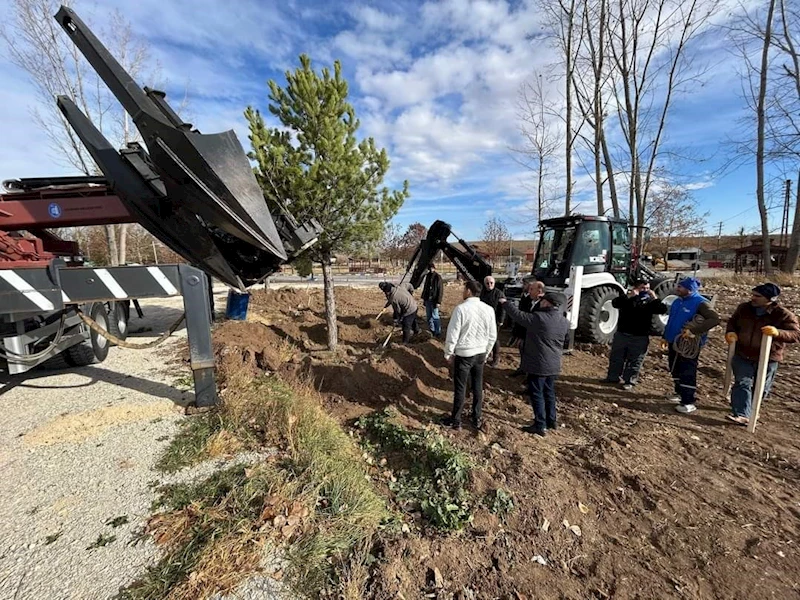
pixel 667 505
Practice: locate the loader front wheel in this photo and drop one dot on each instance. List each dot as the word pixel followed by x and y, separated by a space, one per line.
pixel 597 319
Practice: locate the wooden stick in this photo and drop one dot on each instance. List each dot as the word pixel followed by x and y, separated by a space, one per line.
pixel 761 379
pixel 726 381
pixel 380 313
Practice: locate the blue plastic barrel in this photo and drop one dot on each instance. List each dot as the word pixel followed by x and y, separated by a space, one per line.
pixel 236 308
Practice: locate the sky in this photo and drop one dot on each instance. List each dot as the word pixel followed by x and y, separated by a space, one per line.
pixel 435 83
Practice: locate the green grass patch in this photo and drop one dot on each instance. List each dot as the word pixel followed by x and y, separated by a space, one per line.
pixel 431 473
pixel 314 501
pixel 188 447
pixel 500 502
pixel 102 540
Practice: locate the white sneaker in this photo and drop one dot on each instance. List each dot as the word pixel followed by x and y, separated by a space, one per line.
pixel 675 399
pixel 627 386
pixel 686 408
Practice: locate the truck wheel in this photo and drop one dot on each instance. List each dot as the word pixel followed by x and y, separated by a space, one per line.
pixel 597 319
pixel 96 347
pixel 119 315
pixel 664 291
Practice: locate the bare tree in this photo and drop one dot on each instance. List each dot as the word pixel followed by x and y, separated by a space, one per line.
pixel 562 20
pixel 649 43
pixel 673 218
pixel 496 238
pixel 542 140
pixel 763 79
pixel 36 44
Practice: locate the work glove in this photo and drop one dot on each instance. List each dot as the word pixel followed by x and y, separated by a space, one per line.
pixel 687 335
pixel 731 337
pixel 769 330
pixel 664 345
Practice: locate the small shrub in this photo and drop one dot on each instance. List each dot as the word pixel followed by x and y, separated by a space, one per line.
pixel 437 473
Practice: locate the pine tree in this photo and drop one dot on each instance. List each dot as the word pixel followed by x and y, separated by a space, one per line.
pixel 315 166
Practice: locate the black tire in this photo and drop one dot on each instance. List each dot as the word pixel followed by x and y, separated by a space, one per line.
pixel 597 319
pixel 119 317
pixel 95 349
pixel 665 291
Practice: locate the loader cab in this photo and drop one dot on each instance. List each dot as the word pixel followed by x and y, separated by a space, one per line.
pixel 599 244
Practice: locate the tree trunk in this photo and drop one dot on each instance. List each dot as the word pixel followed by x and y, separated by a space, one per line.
pixel 113 252
pixel 612 184
pixel 761 120
pixel 794 240
pixel 570 65
pixel 123 243
pixel 540 192
pixel 330 301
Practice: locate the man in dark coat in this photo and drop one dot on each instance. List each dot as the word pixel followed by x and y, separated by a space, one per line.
pixel 404 307
pixel 532 292
pixel 492 296
pixel 547 330
pixel 750 322
pixel 432 293
pixel 636 311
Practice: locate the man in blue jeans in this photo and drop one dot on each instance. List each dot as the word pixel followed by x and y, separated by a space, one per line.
pixel 750 323
pixel 432 292
pixel 546 332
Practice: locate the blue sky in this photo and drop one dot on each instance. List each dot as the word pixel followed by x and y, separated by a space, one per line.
pixel 436 83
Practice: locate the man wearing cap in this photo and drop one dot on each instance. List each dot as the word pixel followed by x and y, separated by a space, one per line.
pixel 471 334
pixel 636 311
pixel 491 296
pixel 432 292
pixel 682 329
pixel 546 332
pixel 761 316
pixel 404 307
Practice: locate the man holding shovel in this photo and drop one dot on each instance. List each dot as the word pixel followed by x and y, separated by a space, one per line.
pixel 761 316
pixel 404 307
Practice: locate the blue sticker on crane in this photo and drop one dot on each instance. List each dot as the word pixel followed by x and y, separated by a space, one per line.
pixel 54 210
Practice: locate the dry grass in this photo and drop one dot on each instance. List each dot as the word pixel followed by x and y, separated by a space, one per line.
pixel 782 279
pixel 314 503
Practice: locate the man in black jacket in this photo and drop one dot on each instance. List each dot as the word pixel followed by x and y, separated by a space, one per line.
pixel 432 292
pixel 636 311
pixel 546 331
pixel 492 296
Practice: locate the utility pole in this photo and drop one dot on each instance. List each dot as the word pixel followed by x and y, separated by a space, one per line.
pixel 719 236
pixel 785 218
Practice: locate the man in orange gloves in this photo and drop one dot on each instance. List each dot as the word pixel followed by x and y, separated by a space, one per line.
pixel 762 316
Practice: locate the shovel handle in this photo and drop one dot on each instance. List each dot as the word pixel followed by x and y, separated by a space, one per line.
pixel 386 341
pixel 761 379
pixel 726 381
pixel 378 316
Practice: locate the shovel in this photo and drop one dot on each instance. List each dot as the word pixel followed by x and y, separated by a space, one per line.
pixel 726 380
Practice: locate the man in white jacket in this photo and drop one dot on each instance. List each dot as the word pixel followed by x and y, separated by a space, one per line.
pixel 471 334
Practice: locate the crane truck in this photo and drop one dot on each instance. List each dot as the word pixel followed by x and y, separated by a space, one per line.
pixel 194 192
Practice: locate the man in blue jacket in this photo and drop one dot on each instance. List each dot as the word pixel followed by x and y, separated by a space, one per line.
pixel 546 332
pixel 686 335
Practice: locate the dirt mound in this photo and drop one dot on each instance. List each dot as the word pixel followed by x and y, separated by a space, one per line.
pixel 626 500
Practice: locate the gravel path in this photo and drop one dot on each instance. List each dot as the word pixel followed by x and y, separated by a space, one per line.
pixel 76 453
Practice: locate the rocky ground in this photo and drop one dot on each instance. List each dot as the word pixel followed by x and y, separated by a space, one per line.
pixel 666 505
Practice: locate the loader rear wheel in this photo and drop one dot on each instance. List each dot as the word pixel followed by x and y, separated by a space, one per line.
pixel 597 319
pixel 664 291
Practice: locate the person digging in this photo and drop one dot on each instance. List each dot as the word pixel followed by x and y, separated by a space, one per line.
pixel 685 336
pixel 761 316
pixel 546 333
pixel 471 335
pixel 404 307
pixel 629 348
